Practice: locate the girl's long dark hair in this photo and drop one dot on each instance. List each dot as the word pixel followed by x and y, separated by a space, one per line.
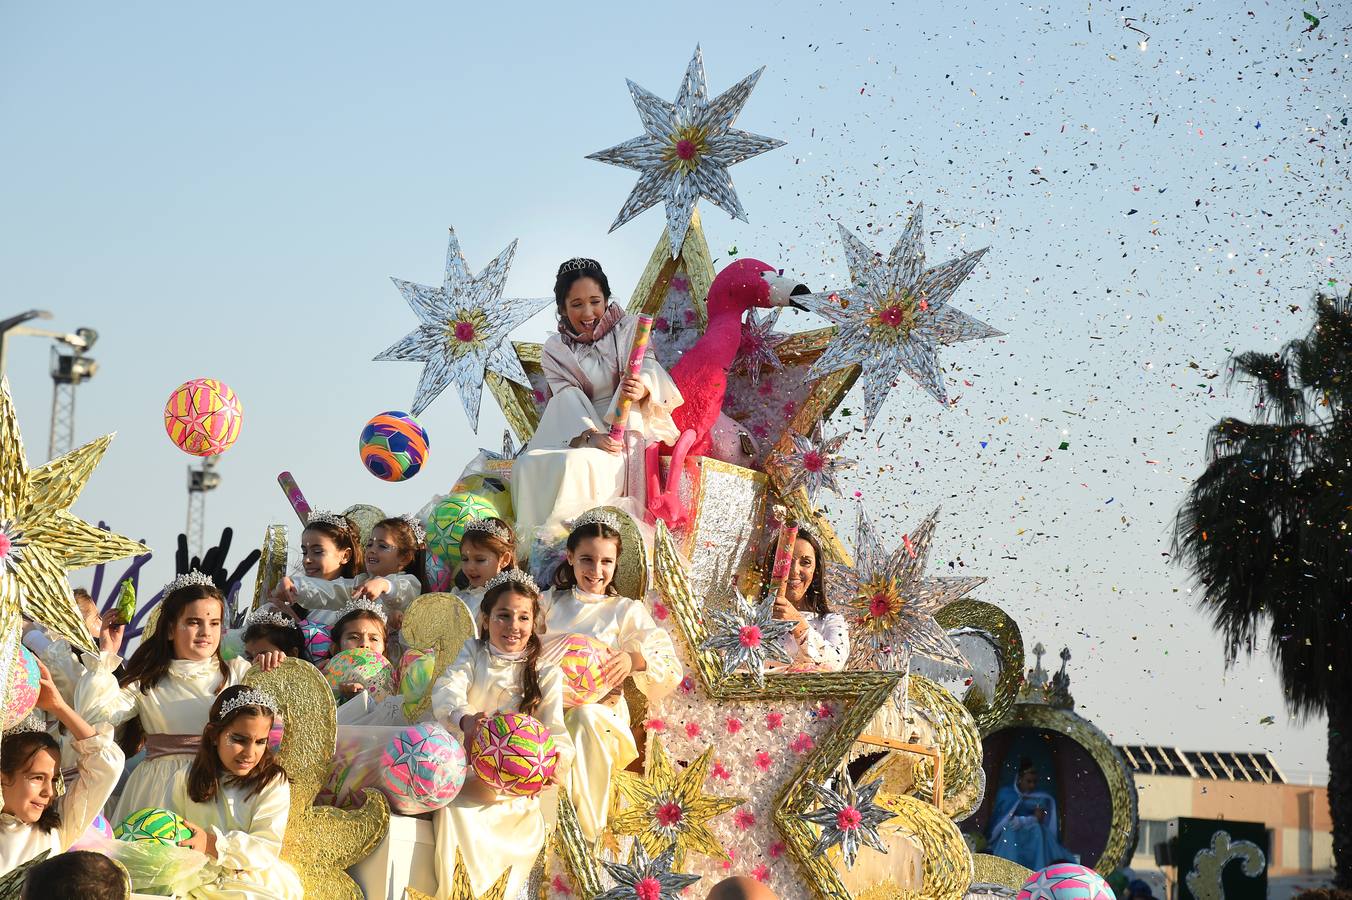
pixel 150 663
pixel 401 534
pixel 204 778
pixel 564 579
pixel 531 695
pixel 16 752
pixel 344 538
pixel 490 543
pixel 815 598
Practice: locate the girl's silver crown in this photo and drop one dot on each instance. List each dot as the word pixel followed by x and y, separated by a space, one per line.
pixel 320 517
pixel 577 264
pixel 512 576
pixel 32 723
pixel 597 517
pixel 188 579
pixel 266 616
pixel 364 604
pixel 419 532
pixel 488 526
pixel 251 697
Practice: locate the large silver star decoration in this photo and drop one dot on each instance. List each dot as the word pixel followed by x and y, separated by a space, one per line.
pixel 686 149
pixel 748 635
pixel 813 463
pixel 849 817
pixel 759 347
pixel 889 603
pixel 464 330
pixel 646 879
pixel 895 315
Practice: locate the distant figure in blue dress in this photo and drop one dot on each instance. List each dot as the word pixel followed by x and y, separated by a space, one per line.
pixel 1023 829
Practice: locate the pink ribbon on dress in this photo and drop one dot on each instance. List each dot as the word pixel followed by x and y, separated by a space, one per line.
pixel 158 745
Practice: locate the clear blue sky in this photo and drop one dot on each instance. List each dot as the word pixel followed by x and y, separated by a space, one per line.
pixel 224 191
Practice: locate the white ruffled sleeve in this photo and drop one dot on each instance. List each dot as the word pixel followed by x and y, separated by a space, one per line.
pixel 640 633
pixel 316 593
pixel 404 589
pixel 98 698
pixel 100 763
pixel 450 693
pixel 59 659
pixel 550 714
pixel 261 845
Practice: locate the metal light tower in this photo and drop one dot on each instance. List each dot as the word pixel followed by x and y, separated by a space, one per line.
pixel 69 369
pixel 199 482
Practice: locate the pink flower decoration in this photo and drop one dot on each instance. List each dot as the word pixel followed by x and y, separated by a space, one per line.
pixel 893 315
pixel 774 720
pixel 813 462
pixel 464 332
pixel 749 636
pixel 661 323
pixel 679 284
pixel 720 772
pixel 825 710
pixel 777 849
pixel 760 431
pixel 685 149
pixel 744 819
pixel 878 607
pixel 761 873
pixel 669 815
pixel 765 388
pixel 660 611
pixel 5 544
pixel 648 889
pixel 732 858
pixel 655 725
pixel 848 819
pixel 538 396
pixel 692 729
pixel 561 887
pixel 790 408
pixel 733 724
pixel 687 685
pixel 689 316
pixel 802 743
pixel 763 760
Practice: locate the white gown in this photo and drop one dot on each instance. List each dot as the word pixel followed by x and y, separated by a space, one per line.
pixel 493 831
pixel 249 832
pixel 326 599
pixel 552 482
pixel 826 645
pixel 100 764
pixel 601 732
pixel 473 599
pixel 177 706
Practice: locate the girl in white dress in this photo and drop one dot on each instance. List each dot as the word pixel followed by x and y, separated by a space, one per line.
pixel 497 673
pixel 572 464
pixel 166 688
pixel 820 640
pixel 584 602
pixel 39 814
pixel 235 799
pixel 487 546
pixel 362 626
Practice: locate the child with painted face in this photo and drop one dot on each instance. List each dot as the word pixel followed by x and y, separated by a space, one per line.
pixel 39 813
pixel 496 673
pixel 487 547
pixel 236 799
pixel 584 601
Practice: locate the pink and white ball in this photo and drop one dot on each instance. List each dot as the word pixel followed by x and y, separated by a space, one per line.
pixel 1066 881
pixel 582 661
pixel 422 768
pixel 514 753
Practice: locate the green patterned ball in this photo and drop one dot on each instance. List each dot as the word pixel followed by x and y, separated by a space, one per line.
pixel 153 824
pixel 446 524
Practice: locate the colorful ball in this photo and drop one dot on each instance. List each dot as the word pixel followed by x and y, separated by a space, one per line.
pixel 318 641
pixel 416 669
pixel 446 524
pixel 440 576
pixel 98 831
pixel 1066 881
pixel 583 659
pixel 514 753
pixel 24 680
pixel 203 417
pixel 393 446
pixel 153 824
pixel 490 488
pixel 422 769
pixel 365 667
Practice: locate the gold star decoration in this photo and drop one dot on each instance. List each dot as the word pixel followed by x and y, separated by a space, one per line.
pixel 667 809
pixel 461 889
pixel 41 539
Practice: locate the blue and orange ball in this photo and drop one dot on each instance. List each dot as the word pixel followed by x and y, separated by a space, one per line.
pixel 393 446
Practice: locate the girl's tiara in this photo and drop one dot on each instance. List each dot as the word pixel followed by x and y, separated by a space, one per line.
pixel 597 517
pixel 419 532
pixel 266 616
pixel 188 579
pixel 487 526
pixel 362 604
pixel 512 576
pixel 251 697
pixel 32 723
pixel 579 264
pixel 319 517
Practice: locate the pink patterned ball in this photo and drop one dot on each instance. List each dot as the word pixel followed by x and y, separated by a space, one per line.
pixel 318 642
pixel 514 753
pixel 422 769
pixel 24 679
pixel 365 667
pixel 439 573
pixel 582 661
pixel 98 831
pixel 1066 881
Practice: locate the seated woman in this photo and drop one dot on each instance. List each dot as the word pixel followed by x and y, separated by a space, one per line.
pixel 820 640
pixel 1024 825
pixel 572 464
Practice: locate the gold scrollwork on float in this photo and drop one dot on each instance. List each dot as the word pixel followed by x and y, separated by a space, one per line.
pixel 439 623
pixel 990 869
pixel 1003 633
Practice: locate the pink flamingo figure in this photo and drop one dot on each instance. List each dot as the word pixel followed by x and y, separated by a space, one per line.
pixel 702 374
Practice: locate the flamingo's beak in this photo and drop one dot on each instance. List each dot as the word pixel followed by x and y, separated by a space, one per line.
pixel 783 289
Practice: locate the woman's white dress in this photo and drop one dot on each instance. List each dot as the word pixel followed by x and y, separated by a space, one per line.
pixel 494 832
pixel 100 763
pixel 249 832
pixel 177 707
pixel 825 646
pixel 601 732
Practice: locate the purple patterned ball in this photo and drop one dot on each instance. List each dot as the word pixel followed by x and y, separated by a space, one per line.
pixel 1066 881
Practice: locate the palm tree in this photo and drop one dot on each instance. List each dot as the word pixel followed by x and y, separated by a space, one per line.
pixel 1265 530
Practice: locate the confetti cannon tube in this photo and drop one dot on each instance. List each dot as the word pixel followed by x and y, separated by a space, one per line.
pixel 779 574
pixel 640 347
pixel 293 494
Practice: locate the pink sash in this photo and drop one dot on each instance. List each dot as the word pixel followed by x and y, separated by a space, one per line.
pixel 158 745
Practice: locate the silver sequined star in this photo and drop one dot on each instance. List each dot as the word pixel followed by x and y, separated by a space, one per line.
pixel 813 463
pixel 748 636
pixel 849 817
pixel 895 315
pixel 686 149
pixel 759 346
pixel 889 603
pixel 646 879
pixel 464 330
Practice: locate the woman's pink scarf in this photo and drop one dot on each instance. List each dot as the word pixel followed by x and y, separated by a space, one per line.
pixel 609 319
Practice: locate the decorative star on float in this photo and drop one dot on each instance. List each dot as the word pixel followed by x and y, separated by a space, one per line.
pixel 848 818
pixel 461 889
pixel 464 330
pixel 895 315
pixel 643 878
pixel 669 812
pixel 889 603
pixel 686 149
pixel 40 538
pixel 749 636
pixel 759 345
pixel 813 463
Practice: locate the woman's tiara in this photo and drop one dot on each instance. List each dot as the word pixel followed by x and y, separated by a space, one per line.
pixel 488 526
pixel 597 517
pixel 319 517
pixel 579 264
pixel 267 616
pixel 188 579
pixel 419 532
pixel 362 604
pixel 512 576
pixel 251 697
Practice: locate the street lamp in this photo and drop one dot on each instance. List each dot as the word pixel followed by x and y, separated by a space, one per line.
pixel 12 324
